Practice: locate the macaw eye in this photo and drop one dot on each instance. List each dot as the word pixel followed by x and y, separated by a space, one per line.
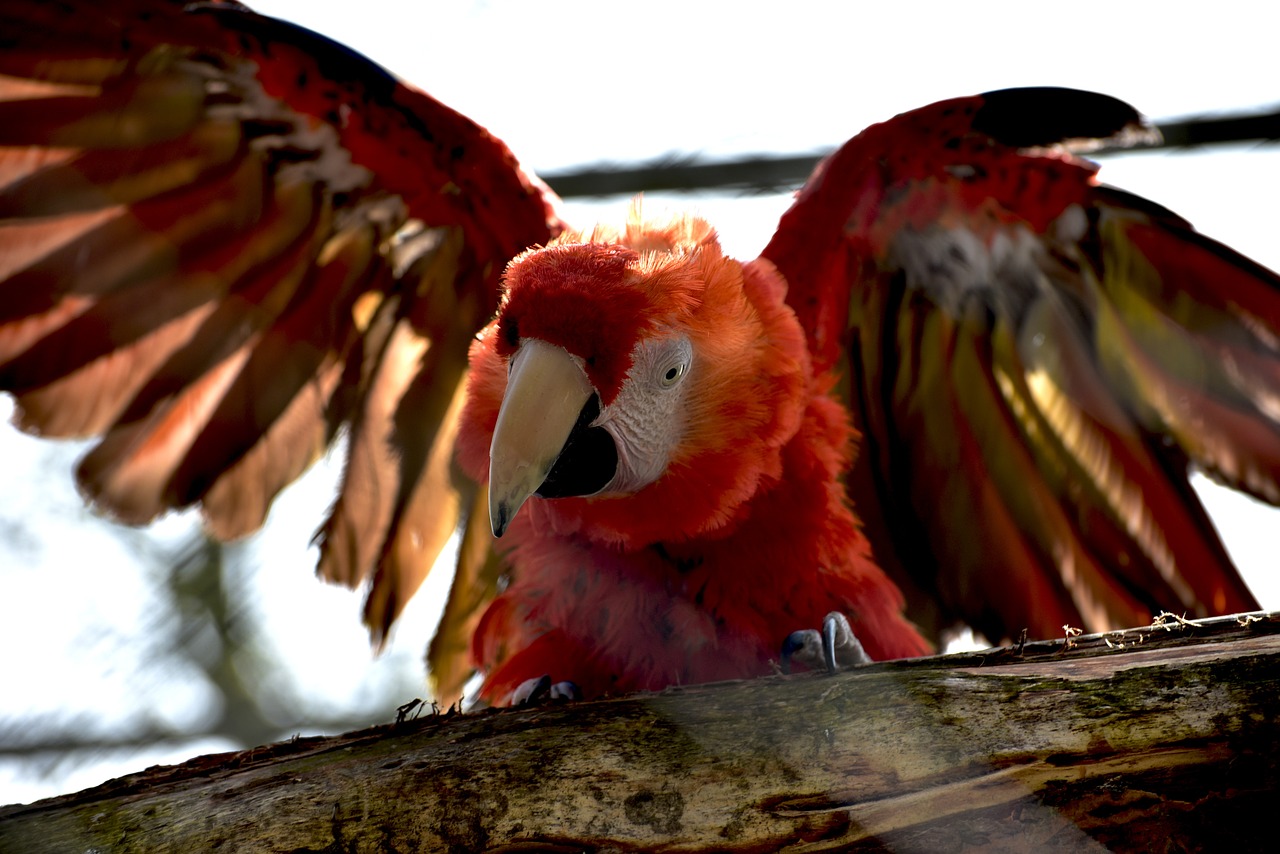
pixel 662 364
pixel 672 369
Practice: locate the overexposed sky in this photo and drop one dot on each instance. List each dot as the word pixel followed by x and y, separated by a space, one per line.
pixel 568 84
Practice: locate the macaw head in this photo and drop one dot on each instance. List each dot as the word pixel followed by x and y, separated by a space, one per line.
pixel 640 382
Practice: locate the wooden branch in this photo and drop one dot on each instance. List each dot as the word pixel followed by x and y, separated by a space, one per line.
pixel 1166 734
pixel 768 173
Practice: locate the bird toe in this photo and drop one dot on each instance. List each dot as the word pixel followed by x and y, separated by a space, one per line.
pixel 834 647
pixel 541 689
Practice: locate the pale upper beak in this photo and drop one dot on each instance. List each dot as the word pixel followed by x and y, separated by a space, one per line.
pixel 546 390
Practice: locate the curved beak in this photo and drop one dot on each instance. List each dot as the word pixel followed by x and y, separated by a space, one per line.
pixel 546 390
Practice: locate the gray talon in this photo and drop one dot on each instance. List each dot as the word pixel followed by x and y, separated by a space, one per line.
pixel 533 691
pixel 832 649
pixel 565 691
pixel 804 646
pixel 840 646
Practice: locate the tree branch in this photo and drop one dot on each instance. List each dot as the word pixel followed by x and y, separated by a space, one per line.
pixel 1168 732
pixel 765 173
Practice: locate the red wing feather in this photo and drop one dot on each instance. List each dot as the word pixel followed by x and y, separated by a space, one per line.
pixel 210 224
pixel 225 241
pixel 1034 361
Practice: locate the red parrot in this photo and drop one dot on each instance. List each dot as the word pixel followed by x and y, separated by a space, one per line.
pixel 964 383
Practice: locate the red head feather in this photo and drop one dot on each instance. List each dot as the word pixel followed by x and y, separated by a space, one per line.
pixel 598 299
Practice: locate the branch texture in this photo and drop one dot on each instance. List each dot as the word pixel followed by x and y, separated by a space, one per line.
pixel 1163 733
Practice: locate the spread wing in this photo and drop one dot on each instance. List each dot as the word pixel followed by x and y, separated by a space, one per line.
pixel 225 241
pixel 1035 361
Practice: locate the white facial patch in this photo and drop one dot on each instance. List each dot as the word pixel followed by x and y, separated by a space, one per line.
pixel 646 419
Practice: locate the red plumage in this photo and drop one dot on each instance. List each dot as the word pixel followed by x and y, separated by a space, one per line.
pixel 225 241
pixel 692 578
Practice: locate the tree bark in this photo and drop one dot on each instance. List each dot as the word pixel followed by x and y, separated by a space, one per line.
pixel 1163 738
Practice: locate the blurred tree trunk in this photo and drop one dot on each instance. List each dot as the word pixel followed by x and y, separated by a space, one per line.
pixel 1167 734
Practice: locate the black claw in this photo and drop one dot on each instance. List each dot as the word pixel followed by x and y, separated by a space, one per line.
pixel 794 643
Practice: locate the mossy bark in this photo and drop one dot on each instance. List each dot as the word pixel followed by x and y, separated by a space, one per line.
pixel 1166 736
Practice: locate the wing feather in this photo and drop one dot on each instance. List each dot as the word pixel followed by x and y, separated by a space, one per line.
pixel 352 537
pixel 1188 334
pixel 475 584
pixel 1035 362
pixel 225 241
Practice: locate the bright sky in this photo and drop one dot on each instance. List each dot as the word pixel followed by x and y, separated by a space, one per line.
pixel 574 83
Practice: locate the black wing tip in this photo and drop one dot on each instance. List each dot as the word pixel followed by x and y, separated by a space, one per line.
pixel 1039 116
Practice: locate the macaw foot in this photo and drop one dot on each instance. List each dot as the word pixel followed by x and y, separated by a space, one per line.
pixel 541 689
pixel 833 648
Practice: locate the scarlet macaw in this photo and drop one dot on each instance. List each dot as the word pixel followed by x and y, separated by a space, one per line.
pixel 226 239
